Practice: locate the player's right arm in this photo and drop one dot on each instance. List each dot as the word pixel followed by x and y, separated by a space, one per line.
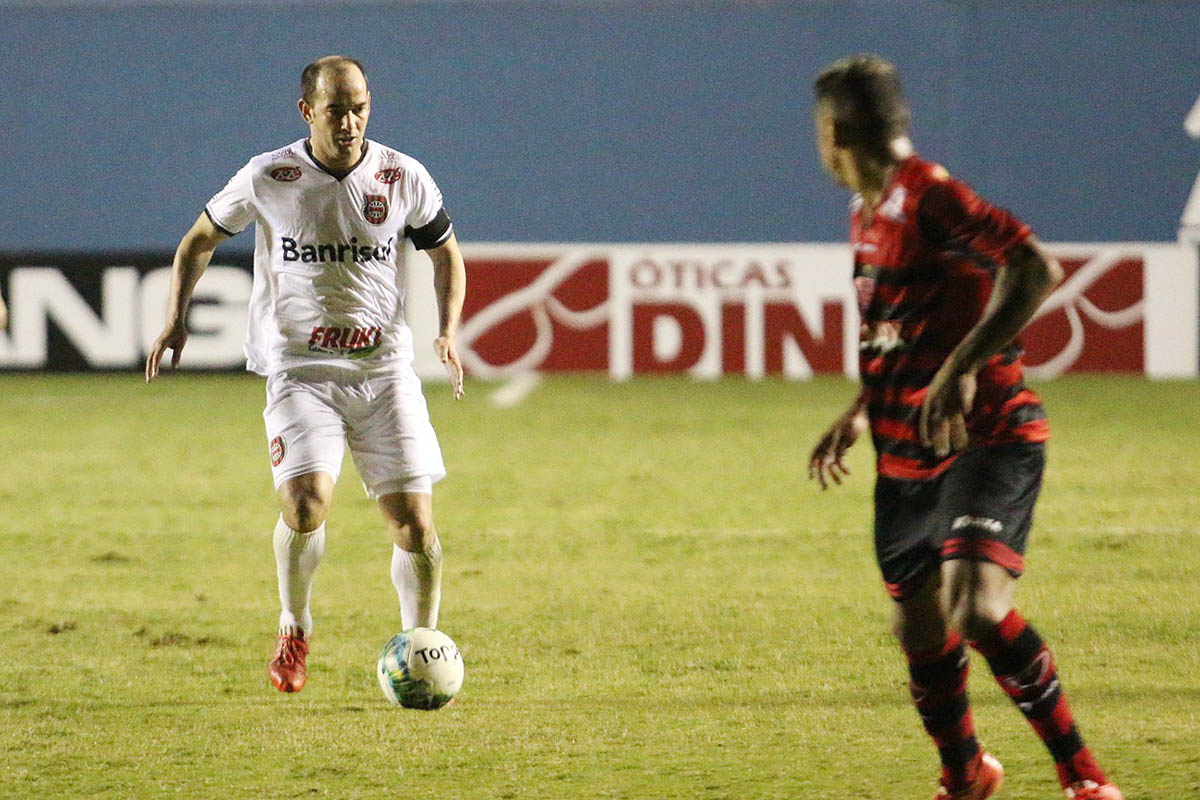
pixel 191 258
pixel 827 456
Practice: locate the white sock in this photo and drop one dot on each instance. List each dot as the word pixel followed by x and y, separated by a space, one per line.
pixel 418 581
pixel 296 558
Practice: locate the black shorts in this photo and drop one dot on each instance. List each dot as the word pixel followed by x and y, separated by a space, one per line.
pixel 979 508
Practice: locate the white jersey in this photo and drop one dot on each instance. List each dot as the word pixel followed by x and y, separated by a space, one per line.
pixel 328 255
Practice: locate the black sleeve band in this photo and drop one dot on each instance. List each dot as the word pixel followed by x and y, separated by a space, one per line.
pixel 436 232
pixel 216 224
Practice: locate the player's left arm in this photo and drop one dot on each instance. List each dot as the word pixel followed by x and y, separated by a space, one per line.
pixel 1024 278
pixel 450 286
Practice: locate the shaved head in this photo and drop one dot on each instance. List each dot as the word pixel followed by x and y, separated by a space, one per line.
pixel 326 66
pixel 336 104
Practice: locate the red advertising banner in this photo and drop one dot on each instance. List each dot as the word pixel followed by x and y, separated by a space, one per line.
pixel 757 310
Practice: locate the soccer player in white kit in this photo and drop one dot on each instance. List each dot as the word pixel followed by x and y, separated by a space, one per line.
pixel 327 330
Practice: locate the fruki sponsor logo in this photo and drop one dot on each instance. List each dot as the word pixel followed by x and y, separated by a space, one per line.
pixel 352 342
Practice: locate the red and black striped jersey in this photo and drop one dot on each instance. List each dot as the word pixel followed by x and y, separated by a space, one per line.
pixel 923 270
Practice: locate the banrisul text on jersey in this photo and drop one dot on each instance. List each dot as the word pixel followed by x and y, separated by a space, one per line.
pixel 326 252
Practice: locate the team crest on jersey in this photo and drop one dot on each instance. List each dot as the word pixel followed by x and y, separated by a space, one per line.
pixel 389 175
pixel 286 174
pixel 278 451
pixel 375 208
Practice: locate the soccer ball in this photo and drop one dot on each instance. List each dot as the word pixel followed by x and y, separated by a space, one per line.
pixel 420 668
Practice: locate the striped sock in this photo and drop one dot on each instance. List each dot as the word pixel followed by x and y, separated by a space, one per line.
pixel 939 689
pixel 1025 669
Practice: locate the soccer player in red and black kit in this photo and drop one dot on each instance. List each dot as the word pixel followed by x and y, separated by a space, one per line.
pixel 945 283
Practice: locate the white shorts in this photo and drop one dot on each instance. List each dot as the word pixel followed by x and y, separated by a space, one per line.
pixel 313 412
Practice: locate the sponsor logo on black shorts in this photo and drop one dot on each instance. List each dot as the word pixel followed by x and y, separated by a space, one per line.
pixel 988 524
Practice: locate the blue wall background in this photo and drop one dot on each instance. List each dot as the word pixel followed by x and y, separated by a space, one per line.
pixel 606 121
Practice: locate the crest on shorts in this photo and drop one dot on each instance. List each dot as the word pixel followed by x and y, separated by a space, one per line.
pixel 286 174
pixel 375 208
pixel 278 451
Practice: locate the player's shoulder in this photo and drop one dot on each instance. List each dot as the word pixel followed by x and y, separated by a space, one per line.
pixel 283 164
pixel 392 166
pixel 917 173
pixel 930 188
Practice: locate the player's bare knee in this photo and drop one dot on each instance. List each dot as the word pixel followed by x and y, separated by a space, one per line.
pixel 305 500
pixel 978 596
pixel 976 614
pixel 409 518
pixel 414 533
pixel 305 511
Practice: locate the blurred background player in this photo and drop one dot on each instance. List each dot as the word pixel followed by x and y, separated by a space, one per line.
pixel 945 282
pixel 327 330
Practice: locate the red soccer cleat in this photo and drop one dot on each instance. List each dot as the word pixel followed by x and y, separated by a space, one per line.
pixel 1090 790
pixel 287 668
pixel 988 778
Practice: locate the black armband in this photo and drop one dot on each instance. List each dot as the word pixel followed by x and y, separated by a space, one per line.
pixel 432 234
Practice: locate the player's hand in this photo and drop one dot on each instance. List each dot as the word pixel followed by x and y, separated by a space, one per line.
pixel 948 400
pixel 447 353
pixel 173 338
pixel 828 456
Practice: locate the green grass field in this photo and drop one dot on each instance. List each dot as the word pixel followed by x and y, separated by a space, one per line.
pixel 652 601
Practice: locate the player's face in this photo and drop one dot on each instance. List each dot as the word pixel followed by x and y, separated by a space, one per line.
pixel 835 159
pixel 337 117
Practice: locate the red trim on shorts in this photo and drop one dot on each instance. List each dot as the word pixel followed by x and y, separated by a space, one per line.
pixel 975 547
pixel 901 590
